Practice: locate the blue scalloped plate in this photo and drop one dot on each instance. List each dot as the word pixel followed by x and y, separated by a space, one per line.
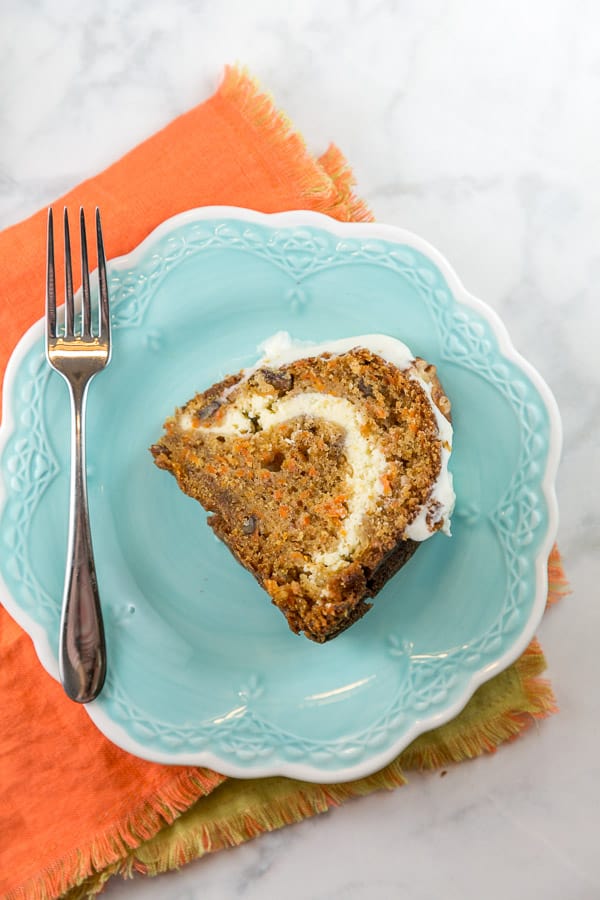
pixel 202 668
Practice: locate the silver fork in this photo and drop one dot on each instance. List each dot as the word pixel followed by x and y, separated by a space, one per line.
pixel 78 357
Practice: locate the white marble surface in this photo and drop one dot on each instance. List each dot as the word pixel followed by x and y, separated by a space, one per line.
pixel 474 123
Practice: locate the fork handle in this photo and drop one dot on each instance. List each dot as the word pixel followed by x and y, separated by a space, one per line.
pixel 82 651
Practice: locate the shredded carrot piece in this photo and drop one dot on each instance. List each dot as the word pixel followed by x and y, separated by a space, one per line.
pixel 385 481
pixel 242 447
pixel 316 381
pixel 334 507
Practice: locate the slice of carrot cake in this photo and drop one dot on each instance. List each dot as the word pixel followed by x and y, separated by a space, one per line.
pixel 323 467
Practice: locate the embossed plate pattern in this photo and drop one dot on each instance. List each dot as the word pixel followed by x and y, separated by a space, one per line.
pixel 202 669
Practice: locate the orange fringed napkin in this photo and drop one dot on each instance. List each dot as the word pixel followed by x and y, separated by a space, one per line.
pixel 75 808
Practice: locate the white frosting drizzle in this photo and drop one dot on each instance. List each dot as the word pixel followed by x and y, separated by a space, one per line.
pixel 367 463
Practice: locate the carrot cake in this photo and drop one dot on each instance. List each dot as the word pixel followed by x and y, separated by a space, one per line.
pixel 323 467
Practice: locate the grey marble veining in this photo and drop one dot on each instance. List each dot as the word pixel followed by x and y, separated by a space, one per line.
pixel 474 124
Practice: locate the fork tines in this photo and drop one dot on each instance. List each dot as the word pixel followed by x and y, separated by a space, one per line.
pixel 87 330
